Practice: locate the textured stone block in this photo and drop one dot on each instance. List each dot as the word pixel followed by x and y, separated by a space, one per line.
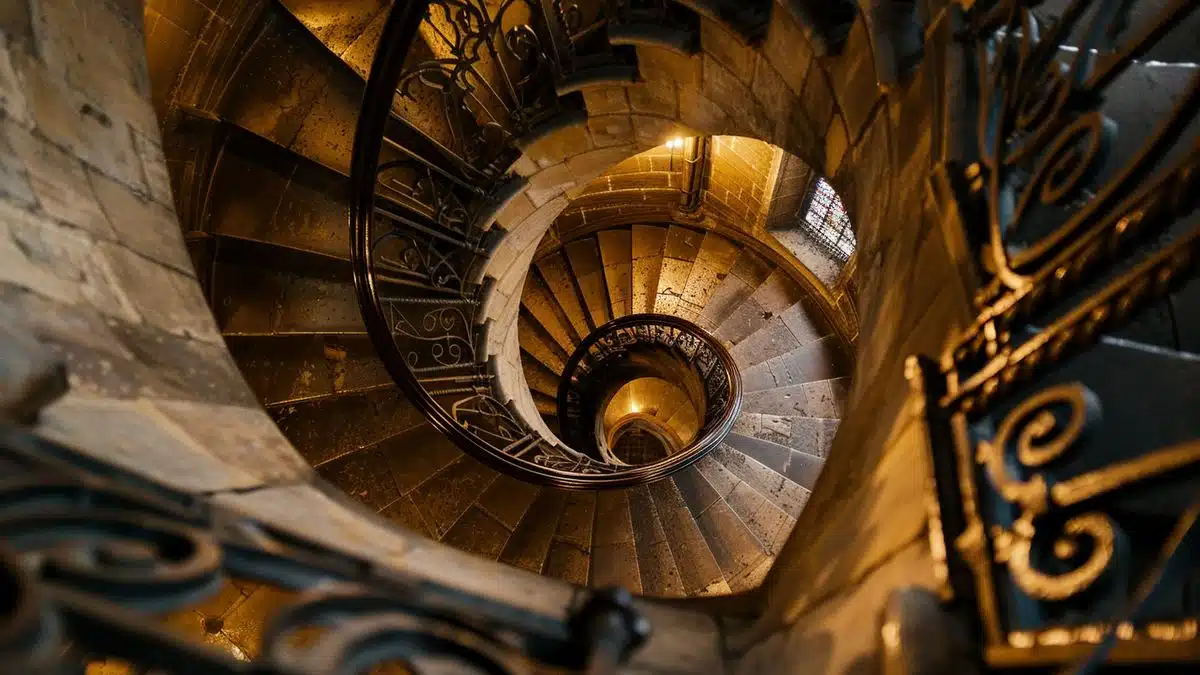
pixel 663 66
pixel 303 508
pixel 733 545
pixel 478 532
pixel 727 49
pixel 80 126
pixel 610 130
pixel 783 493
pixel 135 436
pixel 616 565
pixel 444 497
pixel 58 263
pixel 364 476
pixel 586 166
pixel 654 98
pixel 147 227
pixel 605 100
pixel 529 544
pixel 60 184
pixel 245 438
pixel 786 49
pixel 559 144
pixel 769 525
pixel 769 341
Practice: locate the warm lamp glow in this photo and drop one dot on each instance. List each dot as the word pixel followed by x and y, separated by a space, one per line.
pixel 633 406
pixel 675 143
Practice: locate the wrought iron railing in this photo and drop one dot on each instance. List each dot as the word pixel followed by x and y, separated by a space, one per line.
pixel 1065 462
pixel 607 347
pixel 93 556
pixel 425 191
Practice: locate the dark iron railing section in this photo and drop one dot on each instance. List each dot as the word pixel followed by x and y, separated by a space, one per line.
pixel 92 556
pixel 610 344
pixel 425 192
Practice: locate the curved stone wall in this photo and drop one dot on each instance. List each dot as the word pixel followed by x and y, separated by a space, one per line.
pixel 93 264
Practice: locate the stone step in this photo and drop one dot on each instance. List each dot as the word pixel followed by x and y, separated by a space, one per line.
pixel 616 254
pixel 748 272
pixel 538 344
pixel 541 305
pixel 325 430
pixel 264 191
pixel 289 87
pixel 299 369
pixel 788 496
pixel 614 554
pixel 530 543
pixel 417 455
pixel 569 557
pixel 253 298
pixel 767 522
pixel 656 564
pixel 823 399
pixel 801 468
pixel 822 359
pixel 773 303
pixel 539 377
pixel 447 495
pixel 734 547
pixel 352 33
pixel 680 250
pixel 699 572
pixel 556 275
pixel 813 435
pixel 647 255
pixel 587 268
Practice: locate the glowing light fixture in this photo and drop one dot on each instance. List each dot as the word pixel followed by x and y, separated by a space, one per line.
pixel 675 143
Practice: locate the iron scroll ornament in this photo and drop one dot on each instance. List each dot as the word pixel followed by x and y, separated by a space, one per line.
pixel 1042 516
pixel 609 344
pixel 92 556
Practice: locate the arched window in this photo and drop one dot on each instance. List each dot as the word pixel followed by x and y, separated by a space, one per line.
pixel 826 220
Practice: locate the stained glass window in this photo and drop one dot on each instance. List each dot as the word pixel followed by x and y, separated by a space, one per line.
pixel 826 220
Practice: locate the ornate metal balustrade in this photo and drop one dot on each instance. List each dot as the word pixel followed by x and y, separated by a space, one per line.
pixel 610 345
pixel 1066 462
pixel 92 557
pixel 425 191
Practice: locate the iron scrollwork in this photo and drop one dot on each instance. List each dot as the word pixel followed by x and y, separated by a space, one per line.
pixel 612 343
pixel 1044 513
pixel 91 557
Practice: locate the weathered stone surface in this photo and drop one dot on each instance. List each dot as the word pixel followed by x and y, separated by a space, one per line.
pixel 786 49
pixel 478 532
pixel 246 438
pixel 60 264
pixel 728 49
pixel 303 508
pixel 137 437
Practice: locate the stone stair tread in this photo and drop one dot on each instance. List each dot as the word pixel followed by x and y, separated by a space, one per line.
pixel 813 435
pixel 656 564
pixel 476 531
pixel 450 492
pixel 334 427
pixel 779 489
pixel 417 455
pixel 801 467
pixel 733 545
pixel 508 500
pixel 698 569
pixel 812 399
pixel 530 542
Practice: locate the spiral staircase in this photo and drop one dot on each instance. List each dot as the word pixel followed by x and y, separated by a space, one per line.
pixel 430 237
pixel 269 236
